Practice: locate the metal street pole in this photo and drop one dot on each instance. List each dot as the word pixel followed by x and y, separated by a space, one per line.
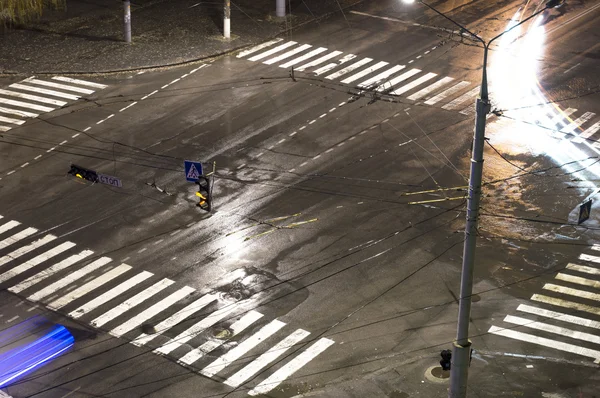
pixel 280 8
pixel 227 19
pixel 127 20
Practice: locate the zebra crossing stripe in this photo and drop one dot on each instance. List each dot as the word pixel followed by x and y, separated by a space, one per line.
pixel 573 292
pixel 381 76
pixel 40 276
pixel 349 68
pixel 578 280
pixel 364 72
pixel 287 54
pixel 58 86
pixel 5 128
pixel 565 303
pixel 272 51
pixel 236 328
pixel 452 105
pixel 448 92
pixel 583 268
pixel 132 302
pixel 561 115
pixel 590 131
pixel 26 249
pixel 11 273
pixel 22 104
pixel 333 65
pixel 80 82
pixel 529 338
pixel 304 57
pixel 414 83
pixel 33 97
pixel 175 319
pixel 258 48
pixel 11 120
pixel 432 87
pixel 17 237
pixel 88 287
pixel 111 294
pixel 320 60
pixel 577 122
pixel 552 329
pixel 559 316
pixel 235 353
pixel 291 367
pixel 40 90
pixel 70 278
pixel 590 258
pixel 17 112
pixel 269 356
pixel 153 310
pixel 391 83
pixel 8 226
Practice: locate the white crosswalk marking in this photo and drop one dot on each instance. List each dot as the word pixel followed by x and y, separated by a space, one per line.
pixel 304 57
pixel 11 120
pixel 40 90
pixel 111 294
pixel 17 112
pixel 590 131
pixel 392 82
pixel 22 104
pixel 33 97
pixel 319 61
pixel 40 276
pixel 80 82
pixel 559 316
pixel 291 367
pixel 348 69
pixel 457 102
pixel 583 268
pixel 58 86
pixel 552 329
pixel 414 83
pixel 132 302
pixel 26 249
pixel 590 258
pixel 175 319
pixel 258 48
pixel 364 72
pixel 565 303
pixel 447 93
pixel 324 69
pixel 17 237
pixel 272 51
pixel 235 353
pixel 573 292
pixel 88 287
pixel 578 280
pixel 8 226
pixel 236 328
pixel 153 310
pixel 287 54
pixel 577 122
pixel 68 279
pixel 383 75
pixel 269 356
pixel 5 128
pixel 432 87
pixel 11 273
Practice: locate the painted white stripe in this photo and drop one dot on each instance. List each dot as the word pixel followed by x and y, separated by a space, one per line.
pixel 414 83
pixel 8 226
pixel 18 113
pixel 80 82
pixel 391 83
pixel 320 60
pixel 559 316
pixel 196 329
pixel 59 86
pixel 25 105
pixel 111 294
pixel 235 353
pixel 269 356
pixel 132 302
pixel 587 257
pixel 457 102
pixel 364 72
pixel 257 48
pixel 40 276
pixel 11 273
pixel 33 97
pixel 566 304
pixel 552 329
pixel 40 90
pixel 450 91
pixel 529 338
pixel 272 51
pixel 578 280
pixel 175 319
pixel 291 367
pixel 25 249
pixel 561 116
pixel 324 69
pixel 589 132
pixel 235 329
pixel 573 292
pixel 6 128
pixel 152 311
pixel 88 287
pixel 348 69
pixel 69 278
pixel 432 87
pixel 304 57
pixel 287 54
pixel 583 268
pixel 577 122
pixel 383 75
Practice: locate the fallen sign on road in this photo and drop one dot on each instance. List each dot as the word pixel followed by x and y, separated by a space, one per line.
pixel 109 180
pixel 584 211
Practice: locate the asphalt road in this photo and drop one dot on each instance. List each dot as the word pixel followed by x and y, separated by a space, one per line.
pixel 332 257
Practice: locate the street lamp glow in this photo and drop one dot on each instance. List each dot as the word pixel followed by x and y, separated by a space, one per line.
pixel 408 1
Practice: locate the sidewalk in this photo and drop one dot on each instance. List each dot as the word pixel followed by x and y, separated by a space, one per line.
pixel 88 36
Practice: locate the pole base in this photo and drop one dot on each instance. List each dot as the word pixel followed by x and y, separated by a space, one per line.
pixel 461 359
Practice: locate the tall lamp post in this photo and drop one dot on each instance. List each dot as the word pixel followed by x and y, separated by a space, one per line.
pixel 461 352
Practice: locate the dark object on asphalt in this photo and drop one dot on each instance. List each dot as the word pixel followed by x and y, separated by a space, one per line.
pixel 446 357
pixel 82 172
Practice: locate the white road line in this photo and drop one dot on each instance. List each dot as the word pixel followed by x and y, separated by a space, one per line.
pixel 577 122
pixel 287 54
pixel 583 268
pixel 348 69
pixel 578 280
pixel 446 93
pixel 80 82
pixel 128 106
pixel 257 48
pixel 11 273
pixel 565 303
pixel 587 257
pixel 59 86
pixel 111 294
pixel 364 72
pixel 33 97
pixel 18 113
pixel 40 90
pixel 88 287
pixel 132 302
pixel 291 367
pixel 559 316
pixel 148 95
pixel 235 353
pixel 391 83
pixel 8 226
pixel 560 116
pixel 381 76
pixel 457 102
pixel 195 330
pixel 151 311
pixel 272 51
pixel 552 329
pixel 590 131
pixel 5 128
pixel 414 83
pixel 236 328
pixel 175 319
pixel 319 61
pixel 304 57
pixel 529 338
pixel 25 105
pixel 432 87
pixel 573 292
pixel 25 249
pixel 69 278
pixel 10 172
pixel 40 276
pixel 269 356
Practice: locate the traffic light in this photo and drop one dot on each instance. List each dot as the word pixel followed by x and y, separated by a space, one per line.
pixel 446 357
pixel 204 192
pixel 82 172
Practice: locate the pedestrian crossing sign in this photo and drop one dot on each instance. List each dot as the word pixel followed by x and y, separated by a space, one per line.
pixel 193 170
pixel 584 211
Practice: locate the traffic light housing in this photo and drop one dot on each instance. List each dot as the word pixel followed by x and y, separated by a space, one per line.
pixel 83 173
pixel 446 359
pixel 204 192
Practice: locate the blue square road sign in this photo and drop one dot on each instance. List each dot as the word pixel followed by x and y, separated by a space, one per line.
pixel 193 170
